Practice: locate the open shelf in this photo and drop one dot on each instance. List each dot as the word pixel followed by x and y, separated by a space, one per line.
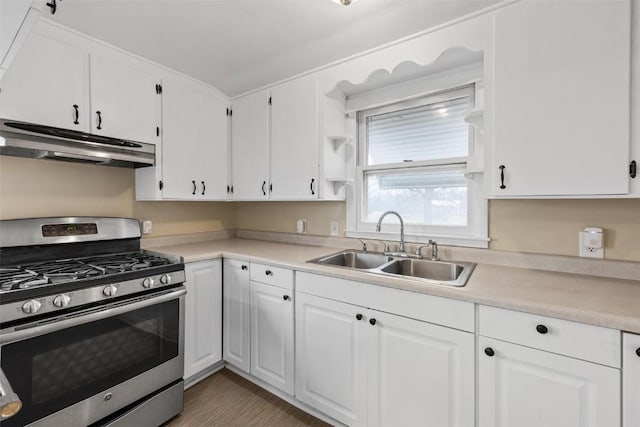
pixel 339 183
pixel 340 140
pixel 475 118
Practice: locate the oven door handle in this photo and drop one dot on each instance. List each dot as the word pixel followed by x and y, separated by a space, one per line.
pixel 36 329
pixel 10 403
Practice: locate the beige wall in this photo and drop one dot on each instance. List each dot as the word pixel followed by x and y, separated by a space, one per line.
pixel 282 216
pixel 32 188
pixel 552 226
pixel 538 226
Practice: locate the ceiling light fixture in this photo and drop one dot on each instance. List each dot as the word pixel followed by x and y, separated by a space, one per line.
pixel 344 2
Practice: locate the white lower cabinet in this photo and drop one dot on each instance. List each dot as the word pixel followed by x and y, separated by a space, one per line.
pixel 237 314
pixel 420 374
pixel 365 367
pixel 630 380
pixel 552 373
pixel 203 316
pixel 525 387
pixel 330 358
pixel 272 335
pixel 258 321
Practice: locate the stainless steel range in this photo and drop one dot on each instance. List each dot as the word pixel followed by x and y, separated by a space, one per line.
pixel 91 326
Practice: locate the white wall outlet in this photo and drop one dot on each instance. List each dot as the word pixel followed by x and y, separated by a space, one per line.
pixel 301 226
pixel 591 243
pixel 333 228
pixel 147 226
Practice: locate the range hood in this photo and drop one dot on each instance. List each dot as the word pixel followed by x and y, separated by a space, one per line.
pixel 45 142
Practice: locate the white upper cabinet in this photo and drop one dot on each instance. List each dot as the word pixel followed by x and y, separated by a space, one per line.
pixel 63 80
pixel 194 141
pixel 250 146
pixel 48 82
pixel 123 99
pixel 558 99
pixel 294 139
pixel 275 142
pixel 17 18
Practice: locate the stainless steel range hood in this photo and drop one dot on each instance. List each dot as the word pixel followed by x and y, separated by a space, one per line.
pixel 45 142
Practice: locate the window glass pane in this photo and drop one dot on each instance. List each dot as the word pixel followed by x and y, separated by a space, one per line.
pixel 423 197
pixel 428 132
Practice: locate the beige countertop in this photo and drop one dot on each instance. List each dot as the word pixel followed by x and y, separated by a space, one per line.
pixel 613 303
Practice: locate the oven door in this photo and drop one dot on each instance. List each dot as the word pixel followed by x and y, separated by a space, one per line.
pixel 79 368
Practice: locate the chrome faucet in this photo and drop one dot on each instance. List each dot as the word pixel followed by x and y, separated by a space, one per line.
pixel 401 249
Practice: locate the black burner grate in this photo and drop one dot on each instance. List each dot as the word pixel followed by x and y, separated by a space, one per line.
pixel 66 270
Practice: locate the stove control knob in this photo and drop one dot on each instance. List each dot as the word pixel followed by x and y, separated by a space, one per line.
pixel 165 279
pixel 109 291
pixel 148 282
pixel 31 307
pixel 61 300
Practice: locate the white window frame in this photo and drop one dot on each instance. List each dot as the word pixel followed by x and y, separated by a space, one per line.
pixel 474 234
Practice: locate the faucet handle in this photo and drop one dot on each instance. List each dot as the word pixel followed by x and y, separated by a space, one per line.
pixel 386 246
pixel 364 245
pixel 419 250
pixel 434 250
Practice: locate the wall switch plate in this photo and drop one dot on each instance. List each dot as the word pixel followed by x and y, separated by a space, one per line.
pixel 147 226
pixel 333 226
pixel 301 226
pixel 591 243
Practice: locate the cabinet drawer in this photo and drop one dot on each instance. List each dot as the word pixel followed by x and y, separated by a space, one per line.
pixel 275 276
pixel 587 342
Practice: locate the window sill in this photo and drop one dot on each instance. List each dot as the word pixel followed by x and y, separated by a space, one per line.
pixel 465 241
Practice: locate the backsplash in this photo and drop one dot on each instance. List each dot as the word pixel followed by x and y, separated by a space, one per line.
pixel 31 188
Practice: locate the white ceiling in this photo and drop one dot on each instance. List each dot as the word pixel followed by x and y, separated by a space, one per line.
pixel 240 45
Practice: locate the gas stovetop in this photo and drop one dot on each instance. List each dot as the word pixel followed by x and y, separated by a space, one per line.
pixel 49 265
pixel 17 277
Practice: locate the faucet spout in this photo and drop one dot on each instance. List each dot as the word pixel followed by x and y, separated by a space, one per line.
pixel 401 226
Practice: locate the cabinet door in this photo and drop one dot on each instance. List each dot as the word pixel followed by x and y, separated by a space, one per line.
pixel 294 139
pixel 560 90
pixel 179 139
pixel 194 143
pixel 272 335
pixel 123 99
pixel 631 380
pixel 203 316
pixel 213 156
pixel 524 387
pixel 331 358
pixel 250 146
pixel 46 80
pixel 237 314
pixel 420 374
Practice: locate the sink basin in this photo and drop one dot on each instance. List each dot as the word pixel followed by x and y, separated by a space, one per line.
pixel 424 270
pixel 450 273
pixel 354 259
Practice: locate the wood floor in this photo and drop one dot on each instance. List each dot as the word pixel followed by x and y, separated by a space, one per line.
pixel 226 399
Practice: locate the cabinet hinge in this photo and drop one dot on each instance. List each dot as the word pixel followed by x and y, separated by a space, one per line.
pixel 633 166
pixel 157 131
pixel 269 100
pixel 161 185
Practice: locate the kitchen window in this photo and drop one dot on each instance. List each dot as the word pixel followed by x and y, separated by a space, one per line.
pixel 413 158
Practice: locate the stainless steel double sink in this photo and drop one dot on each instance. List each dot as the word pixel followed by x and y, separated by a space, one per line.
pixel 424 270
